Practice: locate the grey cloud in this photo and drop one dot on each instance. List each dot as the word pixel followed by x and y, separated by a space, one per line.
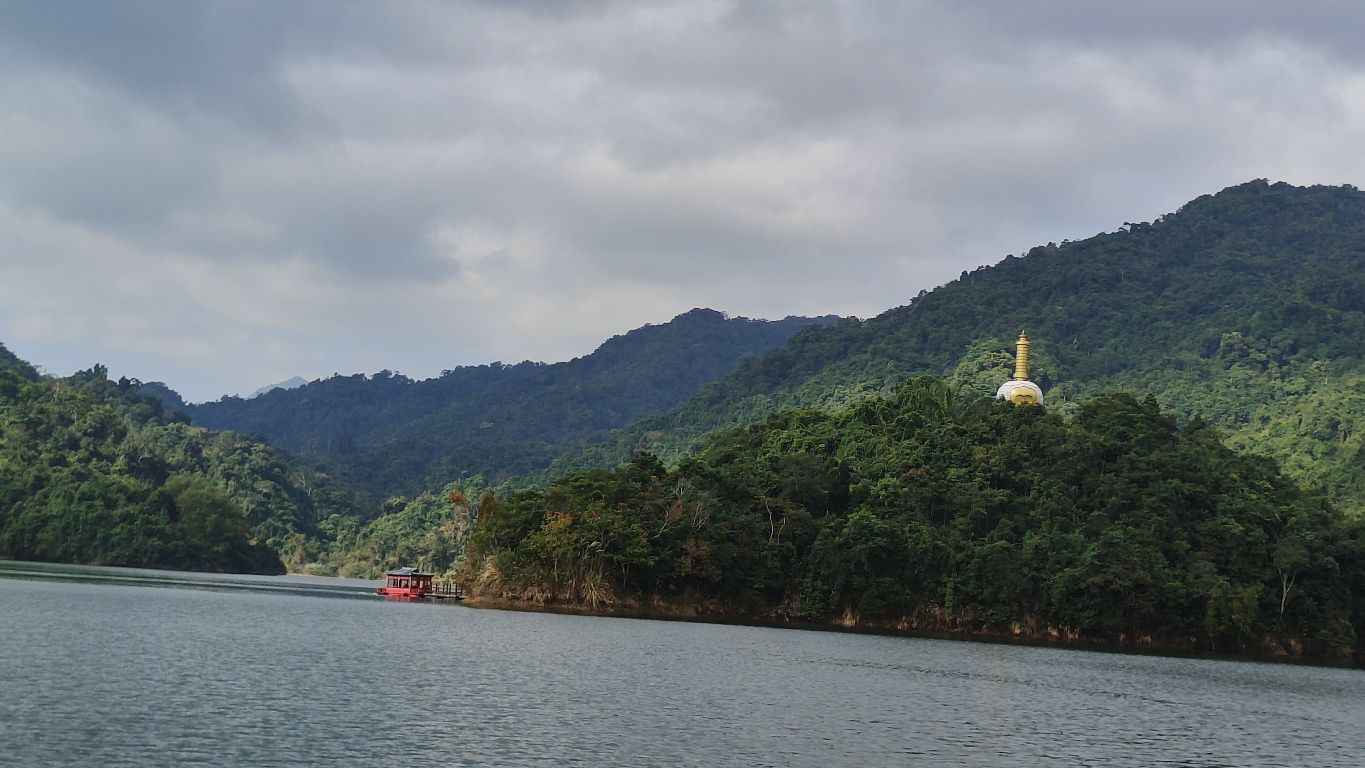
pixel 1330 26
pixel 362 186
pixel 75 155
pixel 201 61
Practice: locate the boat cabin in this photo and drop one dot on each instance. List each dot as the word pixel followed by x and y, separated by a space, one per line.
pixel 406 582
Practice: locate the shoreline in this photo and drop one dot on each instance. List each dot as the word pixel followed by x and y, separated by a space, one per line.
pixel 1146 646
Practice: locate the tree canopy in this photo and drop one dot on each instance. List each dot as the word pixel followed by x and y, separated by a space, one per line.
pixel 91 471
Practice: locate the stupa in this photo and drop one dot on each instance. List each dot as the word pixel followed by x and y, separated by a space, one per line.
pixel 1020 390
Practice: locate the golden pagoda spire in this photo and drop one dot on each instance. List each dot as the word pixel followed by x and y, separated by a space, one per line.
pixel 1019 390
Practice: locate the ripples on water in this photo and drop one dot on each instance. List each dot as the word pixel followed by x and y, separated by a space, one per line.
pixel 112 667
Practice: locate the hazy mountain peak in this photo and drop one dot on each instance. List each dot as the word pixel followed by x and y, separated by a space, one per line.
pixel 291 383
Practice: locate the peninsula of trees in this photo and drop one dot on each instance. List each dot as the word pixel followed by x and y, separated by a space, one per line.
pixel 934 509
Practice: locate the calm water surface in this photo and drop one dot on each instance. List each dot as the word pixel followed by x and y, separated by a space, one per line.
pixel 134 668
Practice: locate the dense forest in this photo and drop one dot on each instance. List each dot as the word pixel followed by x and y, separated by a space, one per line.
pixel 936 509
pixel 390 434
pixel 91 471
pixel 1246 308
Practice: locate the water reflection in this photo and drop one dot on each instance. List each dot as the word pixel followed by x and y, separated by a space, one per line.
pixel 94 574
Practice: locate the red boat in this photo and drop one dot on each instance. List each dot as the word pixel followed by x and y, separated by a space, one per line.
pixel 412 584
pixel 406 582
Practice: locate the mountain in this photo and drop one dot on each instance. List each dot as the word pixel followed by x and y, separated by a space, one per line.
pixel 168 397
pixel 293 382
pixel 1246 307
pixel 96 471
pixel 391 434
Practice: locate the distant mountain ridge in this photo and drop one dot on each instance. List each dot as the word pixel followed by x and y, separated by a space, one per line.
pixel 1246 307
pixel 293 382
pixel 392 434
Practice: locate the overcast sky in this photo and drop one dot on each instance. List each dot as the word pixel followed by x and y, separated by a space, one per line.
pixel 224 195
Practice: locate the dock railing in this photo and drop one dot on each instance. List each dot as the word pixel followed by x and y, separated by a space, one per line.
pixel 445 589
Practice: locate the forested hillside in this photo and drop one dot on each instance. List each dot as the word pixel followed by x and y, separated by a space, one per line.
pixel 391 434
pixel 1246 307
pixel 935 509
pixel 91 471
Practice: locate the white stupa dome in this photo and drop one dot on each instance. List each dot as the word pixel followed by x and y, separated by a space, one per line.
pixel 1021 391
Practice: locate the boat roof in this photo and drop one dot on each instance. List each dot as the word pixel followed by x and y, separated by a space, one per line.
pixel 406 572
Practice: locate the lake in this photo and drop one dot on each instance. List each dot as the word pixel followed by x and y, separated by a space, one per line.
pixel 122 667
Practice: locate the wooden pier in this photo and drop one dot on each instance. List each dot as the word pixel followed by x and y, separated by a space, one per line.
pixel 445 590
